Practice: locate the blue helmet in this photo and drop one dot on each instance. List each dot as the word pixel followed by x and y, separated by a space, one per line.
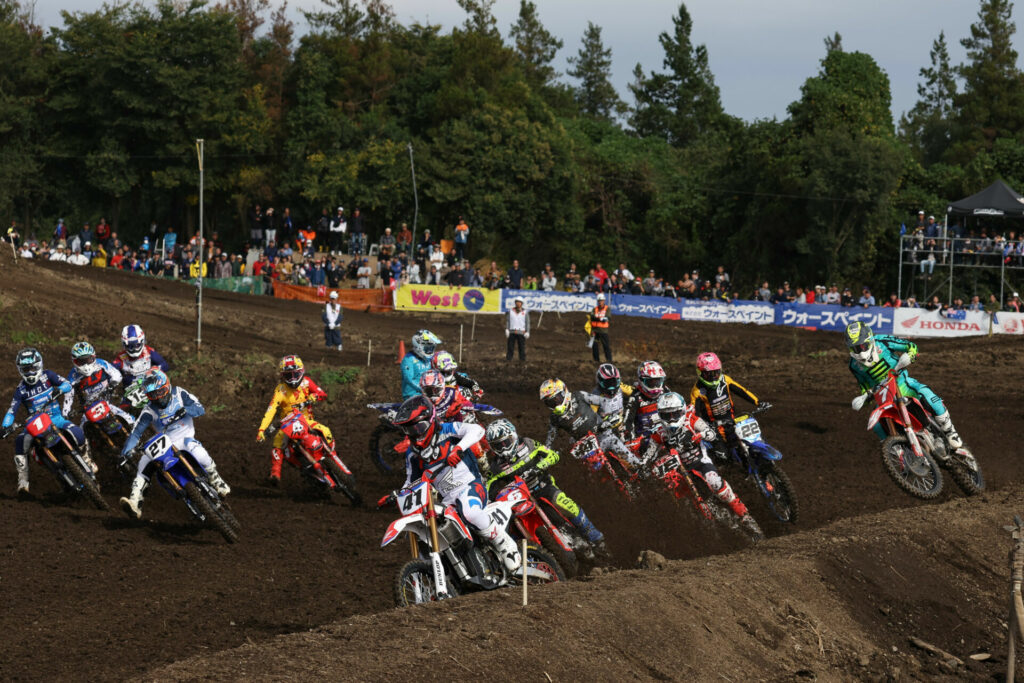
pixel 424 343
pixel 83 357
pixel 157 387
pixel 133 339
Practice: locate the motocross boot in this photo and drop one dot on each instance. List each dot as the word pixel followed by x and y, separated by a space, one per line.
pixel 21 464
pixel 751 525
pixel 587 528
pixel 87 458
pixel 276 458
pixel 132 505
pixel 504 546
pixel 601 550
pixel 726 495
pixel 952 438
pixel 215 479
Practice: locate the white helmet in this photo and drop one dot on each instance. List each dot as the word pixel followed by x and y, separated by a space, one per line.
pixel 600 296
pixel 424 343
pixel 672 410
pixel 133 339
pixel 503 439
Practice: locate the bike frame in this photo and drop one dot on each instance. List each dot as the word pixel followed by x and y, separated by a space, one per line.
pixel 891 410
pixel 45 436
pixel 529 517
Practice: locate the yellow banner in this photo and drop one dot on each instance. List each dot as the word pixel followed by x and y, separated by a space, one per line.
pixel 449 299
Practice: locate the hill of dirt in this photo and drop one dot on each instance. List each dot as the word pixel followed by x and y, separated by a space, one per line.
pixel 92 595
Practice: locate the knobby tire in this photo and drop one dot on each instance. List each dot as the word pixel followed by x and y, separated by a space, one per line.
pixel 211 515
pixel 971 483
pixel 89 485
pixel 566 559
pixel 404 596
pixel 346 481
pixel 785 494
pixel 890 448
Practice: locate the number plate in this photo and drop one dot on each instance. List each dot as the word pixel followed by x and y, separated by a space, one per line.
pixel 135 395
pixel 748 429
pixel 157 446
pixel 664 466
pixel 411 500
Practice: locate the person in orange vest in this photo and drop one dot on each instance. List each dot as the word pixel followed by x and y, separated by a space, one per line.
pixel 599 329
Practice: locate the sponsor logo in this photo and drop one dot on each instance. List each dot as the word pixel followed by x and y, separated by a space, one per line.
pixel 421 297
pixel 910 322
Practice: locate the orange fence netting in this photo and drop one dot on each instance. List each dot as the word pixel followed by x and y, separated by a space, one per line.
pixel 373 300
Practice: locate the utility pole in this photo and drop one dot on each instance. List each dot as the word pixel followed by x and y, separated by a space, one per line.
pixel 202 259
pixel 415 199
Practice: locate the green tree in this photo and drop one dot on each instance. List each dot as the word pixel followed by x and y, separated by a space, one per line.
pixel 927 127
pixel 535 46
pixel 684 103
pixel 480 17
pixel 592 66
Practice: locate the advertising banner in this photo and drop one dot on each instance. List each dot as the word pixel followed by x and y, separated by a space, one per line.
pixel 556 302
pixel 448 299
pixel 834 318
pixel 918 322
pixel 372 300
pixel 1008 323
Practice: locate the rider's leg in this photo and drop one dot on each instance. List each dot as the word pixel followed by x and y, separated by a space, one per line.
pixel 706 471
pixel 610 442
pixel 933 403
pixel 132 505
pixel 573 511
pixel 276 458
pixel 21 445
pixel 206 462
pixel 471 501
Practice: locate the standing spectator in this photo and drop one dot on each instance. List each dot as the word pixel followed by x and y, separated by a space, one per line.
pixel 650 282
pixel 332 322
pixel 911 302
pixel 316 274
pixel 103 230
pixel 517 330
pixel 866 299
pixel 472 277
pixel 286 226
pixel 515 275
pixel 1014 304
pixel 363 274
pixel 270 226
pixel 765 292
pixel 433 277
pixel 549 282
pixel 223 268
pixel 387 244
pixel 624 276
pixel 846 299
pixel 800 297
pixel 405 240
pixel 779 297
pixel 599 330
pixel 76 259
pixel 256 225
pixel 992 306
pixel 413 274
pixel 386 274
pixel 339 226
pixel 357 233
pixel 87 236
pixel 600 275
pixel 60 233
pixel 461 236
pixel 323 231
pixel 722 278
pixel 170 240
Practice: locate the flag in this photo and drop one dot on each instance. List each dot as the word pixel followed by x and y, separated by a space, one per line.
pixel 903 229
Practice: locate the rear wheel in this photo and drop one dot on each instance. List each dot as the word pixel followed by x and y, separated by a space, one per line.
pixel 346 482
pixel 542 566
pixel 212 518
pixel 966 472
pixel 88 482
pixel 781 494
pixel 566 558
pixel 918 476
pixel 383 440
pixel 415 585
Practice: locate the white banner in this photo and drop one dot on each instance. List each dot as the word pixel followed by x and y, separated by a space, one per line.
pixel 1008 323
pixel 918 322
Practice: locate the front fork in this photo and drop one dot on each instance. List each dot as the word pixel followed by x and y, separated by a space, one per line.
pixel 435 547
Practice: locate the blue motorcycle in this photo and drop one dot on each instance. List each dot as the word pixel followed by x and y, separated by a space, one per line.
pixel 761 463
pixel 181 476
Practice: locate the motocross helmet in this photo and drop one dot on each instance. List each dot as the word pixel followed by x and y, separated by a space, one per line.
pixel 672 410
pixel 133 339
pixel 416 419
pixel 83 356
pixel 709 369
pixel 157 387
pixel 860 341
pixel 503 439
pixel 608 379
pixel 292 370
pixel 651 378
pixel 555 396
pixel 424 343
pixel 444 362
pixel 432 385
pixel 30 365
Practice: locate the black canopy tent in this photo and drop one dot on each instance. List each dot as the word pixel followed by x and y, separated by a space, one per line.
pixel 998 199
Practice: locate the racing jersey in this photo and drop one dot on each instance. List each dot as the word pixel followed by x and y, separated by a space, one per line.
pixel 578 420
pixel 686 440
pixel 412 368
pixel 44 395
pixel 715 402
pixel 96 385
pixel 889 351
pixel 132 368
pixel 531 462
pixel 433 458
pixel 642 413
pixel 611 409
pixel 174 420
pixel 285 398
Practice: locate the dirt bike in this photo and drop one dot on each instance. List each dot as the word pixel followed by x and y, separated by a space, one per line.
pixel 105 432
pixel 51 448
pixel 388 445
pixel 684 482
pixel 541 523
pixel 306 449
pixel 606 465
pixel 915 446
pixel 760 462
pixel 456 562
pixel 180 475
pixel 135 395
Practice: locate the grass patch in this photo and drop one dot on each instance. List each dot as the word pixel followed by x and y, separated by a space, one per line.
pixel 217 408
pixel 338 376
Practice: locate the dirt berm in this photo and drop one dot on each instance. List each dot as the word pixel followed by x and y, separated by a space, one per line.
pixel 840 602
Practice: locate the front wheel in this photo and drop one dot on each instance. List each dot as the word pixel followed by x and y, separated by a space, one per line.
pixel 415 585
pixel 566 558
pixel 346 482
pixel 208 511
pixel 88 482
pixel 542 568
pixel 966 472
pixel 918 476
pixel 383 440
pixel 780 493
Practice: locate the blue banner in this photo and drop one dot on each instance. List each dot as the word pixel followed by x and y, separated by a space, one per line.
pixel 834 318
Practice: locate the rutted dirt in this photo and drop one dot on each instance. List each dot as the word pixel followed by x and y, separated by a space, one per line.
pixel 89 595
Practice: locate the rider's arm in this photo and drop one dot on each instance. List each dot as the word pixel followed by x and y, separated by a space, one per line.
pixel 159 360
pixel 552 434
pixel 591 399
pixel 544 457
pixel 143 422
pixel 113 373
pixel 13 409
pixel 315 390
pixel 704 430
pixel 897 345
pixel 464 380
pixel 737 388
pixel 193 408
pixel 468 434
pixel 64 387
pixel 268 416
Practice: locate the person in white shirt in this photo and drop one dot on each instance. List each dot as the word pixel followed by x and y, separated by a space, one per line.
pixel 78 259
pixel 58 255
pixel 517 330
pixel 363 275
pixel 548 280
pixel 332 322
pixel 26 252
pixel 338 228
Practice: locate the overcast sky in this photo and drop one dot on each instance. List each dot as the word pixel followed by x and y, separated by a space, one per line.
pixel 760 52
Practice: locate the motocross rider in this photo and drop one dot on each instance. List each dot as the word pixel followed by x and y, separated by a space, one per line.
pixel 136 358
pixel 295 390
pixel 40 391
pixel 94 379
pixel 170 411
pixel 524 457
pixel 444 362
pixel 453 406
pixel 568 411
pixel 712 399
pixel 417 361
pixel 680 430
pixel 873 356
pixel 436 454
pixel 642 404
pixel 610 401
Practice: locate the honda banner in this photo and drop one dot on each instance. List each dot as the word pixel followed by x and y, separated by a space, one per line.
pixel 918 322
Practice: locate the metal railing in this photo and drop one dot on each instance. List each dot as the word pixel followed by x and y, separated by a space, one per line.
pixel 936 260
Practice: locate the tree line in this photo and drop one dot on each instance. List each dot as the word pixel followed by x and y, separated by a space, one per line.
pixel 99 116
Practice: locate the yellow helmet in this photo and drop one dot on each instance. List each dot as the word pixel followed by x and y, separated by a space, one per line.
pixel 292 371
pixel 555 395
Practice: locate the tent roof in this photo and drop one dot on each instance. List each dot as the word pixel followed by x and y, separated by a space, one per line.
pixel 998 199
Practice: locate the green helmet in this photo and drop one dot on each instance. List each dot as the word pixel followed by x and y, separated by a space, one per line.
pixel 860 341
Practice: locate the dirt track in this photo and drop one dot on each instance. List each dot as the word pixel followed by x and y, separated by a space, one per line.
pixel 96 596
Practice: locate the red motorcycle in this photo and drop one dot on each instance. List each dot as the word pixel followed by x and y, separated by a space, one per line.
pixel 104 431
pixel 914 447
pixel 607 465
pixel 305 449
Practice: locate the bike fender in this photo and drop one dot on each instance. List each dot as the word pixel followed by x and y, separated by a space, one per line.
pixel 396 528
pixel 173 466
pixel 764 450
pixel 451 514
pixel 504 510
pixel 887 410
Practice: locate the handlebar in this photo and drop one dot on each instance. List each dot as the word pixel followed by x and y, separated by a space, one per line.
pixel 10 430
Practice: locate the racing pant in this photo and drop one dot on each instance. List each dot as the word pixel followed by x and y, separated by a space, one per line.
pixel 701 466
pixel 277 454
pixel 610 441
pixel 929 399
pixel 571 509
pixel 471 502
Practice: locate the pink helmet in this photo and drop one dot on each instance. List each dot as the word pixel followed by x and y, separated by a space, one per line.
pixel 651 378
pixel 709 368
